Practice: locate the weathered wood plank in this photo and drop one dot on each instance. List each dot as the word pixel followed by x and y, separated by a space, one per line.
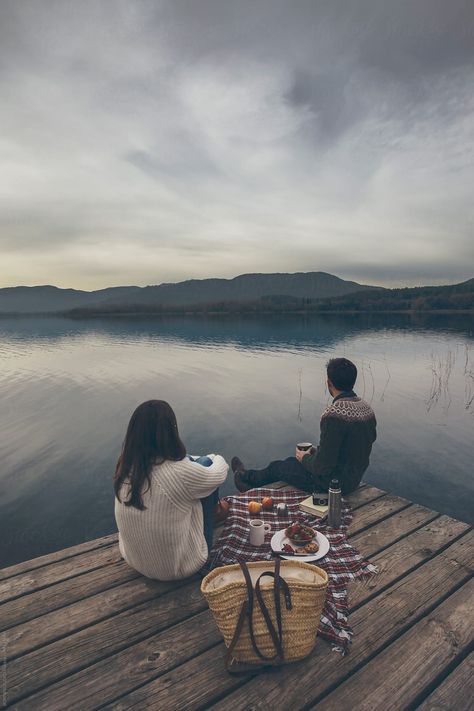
pixel 358 498
pixel 30 610
pixel 399 674
pixel 455 692
pixel 38 668
pixel 392 529
pixel 388 616
pixel 55 572
pixel 406 554
pixel 116 675
pixel 58 555
pixel 376 511
pixel 187 687
pixel 375 624
pixel 363 495
pixel 37 632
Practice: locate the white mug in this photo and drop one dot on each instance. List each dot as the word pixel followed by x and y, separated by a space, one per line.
pixel 258 529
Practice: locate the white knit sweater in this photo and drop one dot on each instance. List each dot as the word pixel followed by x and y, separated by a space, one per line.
pixel 166 540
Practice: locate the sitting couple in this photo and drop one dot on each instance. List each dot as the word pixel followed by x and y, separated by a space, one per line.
pixel 166 502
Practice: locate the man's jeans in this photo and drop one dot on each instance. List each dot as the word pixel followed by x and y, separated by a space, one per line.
pixel 208 504
pixel 289 470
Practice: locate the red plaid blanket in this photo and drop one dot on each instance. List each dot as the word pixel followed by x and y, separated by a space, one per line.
pixel 342 563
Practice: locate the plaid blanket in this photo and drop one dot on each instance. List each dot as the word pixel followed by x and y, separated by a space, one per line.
pixel 342 563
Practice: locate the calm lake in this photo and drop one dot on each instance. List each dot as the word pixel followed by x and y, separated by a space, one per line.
pixel 251 386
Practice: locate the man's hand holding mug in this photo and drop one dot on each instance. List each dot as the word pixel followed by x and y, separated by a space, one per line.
pixel 303 448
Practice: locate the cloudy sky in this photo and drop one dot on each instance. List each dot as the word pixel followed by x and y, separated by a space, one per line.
pixel 144 141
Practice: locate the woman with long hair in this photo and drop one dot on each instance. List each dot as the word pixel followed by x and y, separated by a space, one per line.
pixel 164 500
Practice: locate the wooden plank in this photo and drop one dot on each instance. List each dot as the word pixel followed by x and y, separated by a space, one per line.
pixel 116 675
pixel 401 673
pixel 358 498
pixel 37 632
pixel 363 495
pixel 375 624
pixel 388 618
pixel 186 687
pixel 48 575
pixel 30 610
pixel 406 554
pixel 376 511
pixel 38 668
pixel 388 531
pixel 455 692
pixel 57 556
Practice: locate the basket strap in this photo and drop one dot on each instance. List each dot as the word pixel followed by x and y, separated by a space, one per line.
pixel 280 583
pixel 277 638
pixel 238 630
pixel 250 593
pixel 247 611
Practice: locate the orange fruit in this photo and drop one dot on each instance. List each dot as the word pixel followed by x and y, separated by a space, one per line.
pixel 254 507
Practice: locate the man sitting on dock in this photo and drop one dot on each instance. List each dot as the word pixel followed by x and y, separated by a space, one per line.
pixel 347 433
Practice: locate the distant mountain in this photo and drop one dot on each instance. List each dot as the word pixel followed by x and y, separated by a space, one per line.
pixel 453 297
pixel 47 299
pixel 247 287
pixel 302 292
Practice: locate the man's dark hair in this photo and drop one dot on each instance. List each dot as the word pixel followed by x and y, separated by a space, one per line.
pixel 342 373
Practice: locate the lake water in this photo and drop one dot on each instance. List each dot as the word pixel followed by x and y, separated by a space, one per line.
pixel 251 386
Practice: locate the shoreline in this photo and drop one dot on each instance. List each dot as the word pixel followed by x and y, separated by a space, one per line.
pixel 263 312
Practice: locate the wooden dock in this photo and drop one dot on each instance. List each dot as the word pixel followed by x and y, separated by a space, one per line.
pixel 80 630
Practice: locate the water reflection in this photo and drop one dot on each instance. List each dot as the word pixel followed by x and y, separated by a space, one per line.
pixel 251 386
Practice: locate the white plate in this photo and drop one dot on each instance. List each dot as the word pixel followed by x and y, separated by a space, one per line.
pixel 280 538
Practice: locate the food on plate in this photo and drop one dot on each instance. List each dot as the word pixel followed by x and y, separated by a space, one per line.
pixel 287 548
pixel 311 547
pixel 267 503
pixel 299 533
pixel 254 507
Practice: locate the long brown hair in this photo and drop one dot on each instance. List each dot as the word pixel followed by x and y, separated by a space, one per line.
pixel 152 437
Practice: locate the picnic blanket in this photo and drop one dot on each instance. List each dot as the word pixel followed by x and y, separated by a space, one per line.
pixel 342 563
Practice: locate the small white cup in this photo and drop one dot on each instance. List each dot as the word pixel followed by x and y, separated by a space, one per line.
pixel 258 529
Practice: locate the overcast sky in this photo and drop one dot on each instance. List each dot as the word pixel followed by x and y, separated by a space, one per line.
pixel 144 141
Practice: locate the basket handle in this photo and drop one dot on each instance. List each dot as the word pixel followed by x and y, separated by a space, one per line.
pixel 279 583
pixel 247 610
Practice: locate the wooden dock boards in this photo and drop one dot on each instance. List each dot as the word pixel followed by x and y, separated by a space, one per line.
pixel 83 631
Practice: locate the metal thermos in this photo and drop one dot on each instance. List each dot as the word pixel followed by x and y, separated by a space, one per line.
pixel 335 504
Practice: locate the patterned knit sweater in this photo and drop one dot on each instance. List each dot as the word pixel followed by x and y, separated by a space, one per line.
pixel 347 433
pixel 166 540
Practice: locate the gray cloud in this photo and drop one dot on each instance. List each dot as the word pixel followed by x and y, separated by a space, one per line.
pixel 148 141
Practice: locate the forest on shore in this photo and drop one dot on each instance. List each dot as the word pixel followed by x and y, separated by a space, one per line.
pixel 457 297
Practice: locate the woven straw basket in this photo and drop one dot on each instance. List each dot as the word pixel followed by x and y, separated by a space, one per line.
pixel 227 592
